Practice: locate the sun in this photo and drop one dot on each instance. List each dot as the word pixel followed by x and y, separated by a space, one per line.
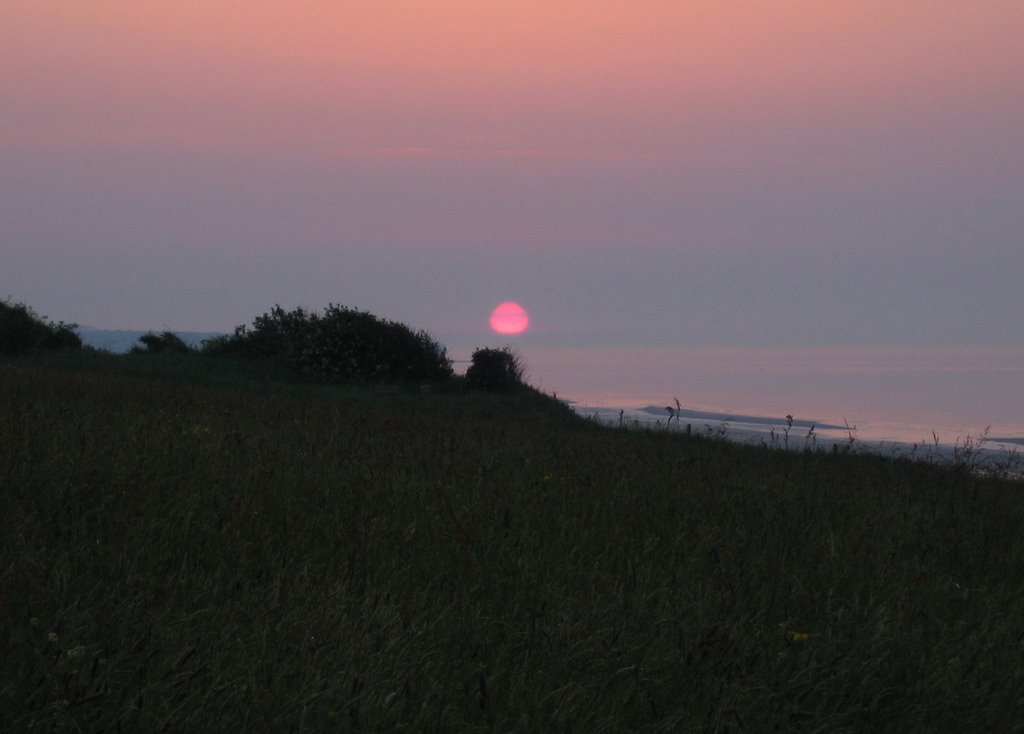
pixel 509 318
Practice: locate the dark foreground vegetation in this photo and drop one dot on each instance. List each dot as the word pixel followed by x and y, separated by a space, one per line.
pixel 339 344
pixel 203 544
pixel 23 330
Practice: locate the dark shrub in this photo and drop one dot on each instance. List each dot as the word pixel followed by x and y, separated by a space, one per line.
pixel 340 344
pixel 495 369
pixel 21 329
pixel 276 335
pixel 167 342
pixel 62 336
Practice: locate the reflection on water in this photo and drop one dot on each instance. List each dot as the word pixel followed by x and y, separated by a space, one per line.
pixel 891 393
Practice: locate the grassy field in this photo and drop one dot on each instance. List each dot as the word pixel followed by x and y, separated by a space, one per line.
pixel 184 547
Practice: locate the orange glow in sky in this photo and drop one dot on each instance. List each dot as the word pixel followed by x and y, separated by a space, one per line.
pixel 561 81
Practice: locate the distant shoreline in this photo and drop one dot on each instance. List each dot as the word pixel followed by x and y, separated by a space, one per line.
pixel 120 341
pixel 771 432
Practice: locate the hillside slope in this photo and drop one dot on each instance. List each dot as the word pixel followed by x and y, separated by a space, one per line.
pixel 204 555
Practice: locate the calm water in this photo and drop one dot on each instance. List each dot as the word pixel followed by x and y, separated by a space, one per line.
pixel 889 393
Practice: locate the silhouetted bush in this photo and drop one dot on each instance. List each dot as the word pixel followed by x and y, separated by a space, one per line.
pixel 495 369
pixel 61 336
pixel 275 335
pixel 340 344
pixel 21 329
pixel 167 342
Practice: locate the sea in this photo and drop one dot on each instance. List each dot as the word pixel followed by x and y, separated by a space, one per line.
pixel 914 401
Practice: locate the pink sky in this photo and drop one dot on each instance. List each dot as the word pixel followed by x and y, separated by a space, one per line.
pixel 579 81
pixel 635 173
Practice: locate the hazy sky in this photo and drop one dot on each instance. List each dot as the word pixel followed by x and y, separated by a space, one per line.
pixel 642 173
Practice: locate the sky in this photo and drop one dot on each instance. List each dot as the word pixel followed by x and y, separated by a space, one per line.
pixel 638 174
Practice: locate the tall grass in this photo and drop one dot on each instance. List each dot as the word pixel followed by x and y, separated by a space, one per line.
pixel 187 554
